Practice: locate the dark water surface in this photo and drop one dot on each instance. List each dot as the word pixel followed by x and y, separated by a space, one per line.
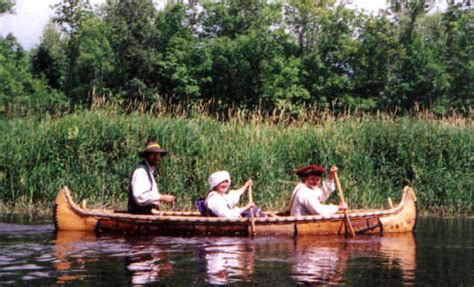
pixel 440 253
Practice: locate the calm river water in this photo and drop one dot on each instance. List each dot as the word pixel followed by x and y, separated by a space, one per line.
pixel 440 253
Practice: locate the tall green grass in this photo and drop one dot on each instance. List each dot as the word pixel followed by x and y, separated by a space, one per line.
pixel 94 152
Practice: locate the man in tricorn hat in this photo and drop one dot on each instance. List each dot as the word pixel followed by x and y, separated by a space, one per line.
pixel 309 193
pixel 143 192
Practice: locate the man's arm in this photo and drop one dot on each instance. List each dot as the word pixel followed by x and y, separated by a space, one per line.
pixel 142 189
pixel 313 205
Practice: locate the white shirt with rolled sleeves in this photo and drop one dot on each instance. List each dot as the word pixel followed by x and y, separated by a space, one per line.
pixel 307 201
pixel 144 193
pixel 223 205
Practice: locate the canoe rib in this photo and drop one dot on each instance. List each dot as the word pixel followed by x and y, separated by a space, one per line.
pixel 69 216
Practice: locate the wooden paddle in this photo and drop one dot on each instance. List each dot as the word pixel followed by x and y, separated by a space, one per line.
pixel 347 222
pixel 252 219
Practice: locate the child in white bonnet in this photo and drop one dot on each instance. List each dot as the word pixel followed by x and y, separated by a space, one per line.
pixel 221 201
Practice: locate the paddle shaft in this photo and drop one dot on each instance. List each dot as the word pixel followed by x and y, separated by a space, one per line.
pixel 341 199
pixel 252 219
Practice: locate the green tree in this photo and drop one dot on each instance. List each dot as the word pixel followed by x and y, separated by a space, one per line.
pixel 132 25
pixel 252 61
pixel 6 6
pixel 236 17
pixel 20 91
pixel 458 57
pixel 94 64
pixel 421 78
pixel 327 69
pixel 304 19
pixel 375 63
pixel 181 60
pixel 49 58
pixel 70 15
pixel 407 12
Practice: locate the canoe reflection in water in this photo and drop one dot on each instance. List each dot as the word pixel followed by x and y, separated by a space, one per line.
pixel 84 257
pixel 335 261
pixel 228 260
pixel 147 263
pixel 71 249
pixel 318 263
pixel 81 254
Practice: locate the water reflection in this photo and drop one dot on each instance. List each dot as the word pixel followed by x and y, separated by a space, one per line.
pixel 222 261
pixel 78 252
pixel 70 250
pixel 332 260
pixel 147 263
pixel 320 260
pixel 24 260
pixel 442 255
pixel 400 251
pixel 228 260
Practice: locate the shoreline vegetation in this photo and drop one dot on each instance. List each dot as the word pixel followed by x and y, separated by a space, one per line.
pixel 258 88
pixel 94 151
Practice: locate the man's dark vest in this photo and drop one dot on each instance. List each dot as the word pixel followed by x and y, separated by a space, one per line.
pixel 133 207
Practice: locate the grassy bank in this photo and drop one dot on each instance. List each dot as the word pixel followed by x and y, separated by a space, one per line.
pixel 94 153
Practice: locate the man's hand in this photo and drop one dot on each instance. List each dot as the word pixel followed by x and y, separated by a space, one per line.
pixel 343 206
pixel 167 198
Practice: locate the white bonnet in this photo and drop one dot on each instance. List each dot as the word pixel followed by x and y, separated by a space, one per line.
pixel 218 177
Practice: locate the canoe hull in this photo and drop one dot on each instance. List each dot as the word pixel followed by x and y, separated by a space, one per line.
pixel 70 217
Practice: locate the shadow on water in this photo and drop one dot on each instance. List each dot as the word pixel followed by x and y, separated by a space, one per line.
pixel 36 254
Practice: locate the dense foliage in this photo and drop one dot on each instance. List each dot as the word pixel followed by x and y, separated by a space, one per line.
pixel 20 90
pixel 6 6
pixel 275 54
pixel 95 152
pixel 288 58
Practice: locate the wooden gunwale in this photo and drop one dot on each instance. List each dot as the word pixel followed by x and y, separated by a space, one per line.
pixel 193 217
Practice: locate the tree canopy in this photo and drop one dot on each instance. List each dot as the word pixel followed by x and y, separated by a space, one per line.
pixel 275 54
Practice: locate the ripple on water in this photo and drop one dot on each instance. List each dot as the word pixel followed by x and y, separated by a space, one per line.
pixel 45 258
pixel 24 267
pixel 19 229
pixel 36 275
pixel 5 260
pixel 273 260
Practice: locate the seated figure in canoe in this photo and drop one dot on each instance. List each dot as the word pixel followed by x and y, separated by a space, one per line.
pixel 143 193
pixel 310 192
pixel 222 202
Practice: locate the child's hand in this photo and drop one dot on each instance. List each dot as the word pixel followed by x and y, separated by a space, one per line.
pixel 250 205
pixel 248 183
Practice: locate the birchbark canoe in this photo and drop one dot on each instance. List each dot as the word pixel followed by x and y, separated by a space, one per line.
pixel 68 216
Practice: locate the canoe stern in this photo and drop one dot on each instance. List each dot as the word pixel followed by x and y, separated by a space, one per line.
pixel 405 219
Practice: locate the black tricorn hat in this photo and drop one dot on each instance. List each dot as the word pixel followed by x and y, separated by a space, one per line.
pixel 152 147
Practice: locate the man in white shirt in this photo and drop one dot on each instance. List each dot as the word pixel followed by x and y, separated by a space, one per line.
pixel 143 192
pixel 309 193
